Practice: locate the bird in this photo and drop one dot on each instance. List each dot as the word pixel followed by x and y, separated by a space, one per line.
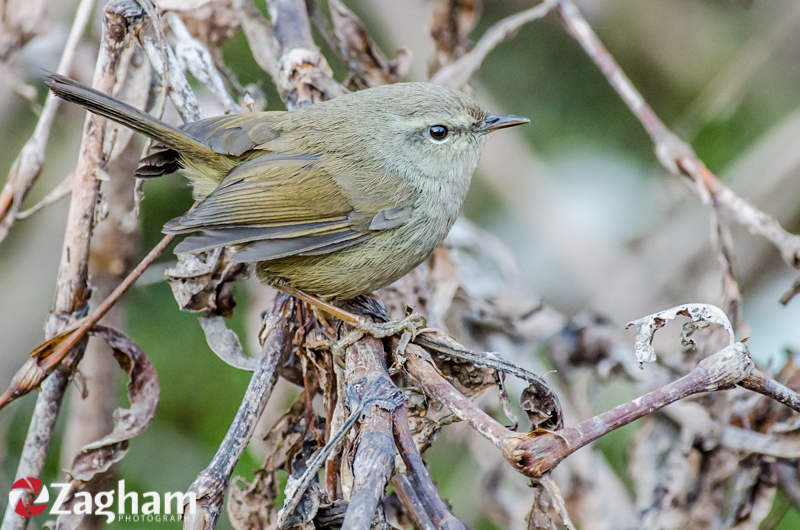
pixel 329 201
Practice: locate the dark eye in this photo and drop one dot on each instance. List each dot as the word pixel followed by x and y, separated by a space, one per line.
pixel 438 132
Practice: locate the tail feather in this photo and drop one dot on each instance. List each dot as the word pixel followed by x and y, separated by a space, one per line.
pixel 124 114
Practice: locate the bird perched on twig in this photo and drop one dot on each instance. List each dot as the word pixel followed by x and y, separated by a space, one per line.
pixel 331 200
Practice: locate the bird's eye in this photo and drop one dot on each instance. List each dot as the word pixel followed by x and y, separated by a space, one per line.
pixel 438 132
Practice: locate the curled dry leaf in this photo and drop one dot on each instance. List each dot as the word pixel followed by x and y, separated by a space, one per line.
pixel 701 315
pixel 44 359
pixel 143 394
pixel 542 407
pixel 225 343
pixel 205 282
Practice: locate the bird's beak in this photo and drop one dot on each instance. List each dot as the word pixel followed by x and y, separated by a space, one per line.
pixel 494 123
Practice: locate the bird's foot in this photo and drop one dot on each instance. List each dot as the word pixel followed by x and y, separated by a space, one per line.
pixel 364 326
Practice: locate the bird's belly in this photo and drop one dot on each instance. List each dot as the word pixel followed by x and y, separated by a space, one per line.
pixel 362 268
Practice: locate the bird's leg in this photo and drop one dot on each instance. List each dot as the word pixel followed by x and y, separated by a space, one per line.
pixel 362 325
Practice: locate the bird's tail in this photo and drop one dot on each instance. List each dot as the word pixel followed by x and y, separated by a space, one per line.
pixel 124 114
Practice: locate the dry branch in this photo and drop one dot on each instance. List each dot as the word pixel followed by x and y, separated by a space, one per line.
pixel 72 292
pixel 304 76
pixel 374 462
pixel 538 453
pixel 212 483
pixel 425 490
pixel 28 165
pixel 457 74
pixel 674 154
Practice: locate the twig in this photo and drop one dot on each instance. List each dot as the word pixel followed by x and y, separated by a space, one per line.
pixel 413 504
pixel 166 65
pixel 536 454
pixel 28 165
pixel 674 154
pixel 195 57
pixel 357 50
pixel 758 382
pixel 63 345
pixel 457 74
pixel 418 475
pixel 73 291
pixel 210 485
pixel 61 191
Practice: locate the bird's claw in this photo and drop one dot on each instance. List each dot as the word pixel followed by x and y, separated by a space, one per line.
pixel 412 323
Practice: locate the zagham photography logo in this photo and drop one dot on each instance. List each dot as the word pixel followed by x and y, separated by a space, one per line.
pixel 154 506
pixel 40 494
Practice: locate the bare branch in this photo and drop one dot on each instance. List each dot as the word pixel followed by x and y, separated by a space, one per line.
pixel 210 486
pixel 457 74
pixel 674 154
pixel 304 76
pixel 166 65
pixel 195 57
pixel 425 489
pixel 72 287
pixel 536 454
pixel 260 35
pixel 374 462
pixel 28 165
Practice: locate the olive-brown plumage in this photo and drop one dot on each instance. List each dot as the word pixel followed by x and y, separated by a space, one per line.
pixel 336 199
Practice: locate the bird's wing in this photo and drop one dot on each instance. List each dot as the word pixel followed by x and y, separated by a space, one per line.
pixel 227 135
pixel 279 205
pixel 236 134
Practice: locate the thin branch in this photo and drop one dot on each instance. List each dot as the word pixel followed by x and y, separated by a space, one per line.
pixel 68 339
pixel 260 35
pixel 210 486
pixel 28 165
pixel 537 453
pixel 674 154
pixel 73 290
pixel 418 476
pixel 457 74
pixel 412 502
pixel 166 65
pixel 61 191
pixel 195 57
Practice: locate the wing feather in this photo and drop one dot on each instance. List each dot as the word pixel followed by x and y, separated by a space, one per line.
pixel 279 205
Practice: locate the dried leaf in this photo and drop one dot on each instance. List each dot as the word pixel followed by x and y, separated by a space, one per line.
pixel 500 379
pixel 203 282
pixel 252 505
pixel 701 315
pixel 36 369
pixel 225 343
pixel 542 407
pixel 143 394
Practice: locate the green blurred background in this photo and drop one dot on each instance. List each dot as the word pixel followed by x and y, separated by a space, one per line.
pixel 593 219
